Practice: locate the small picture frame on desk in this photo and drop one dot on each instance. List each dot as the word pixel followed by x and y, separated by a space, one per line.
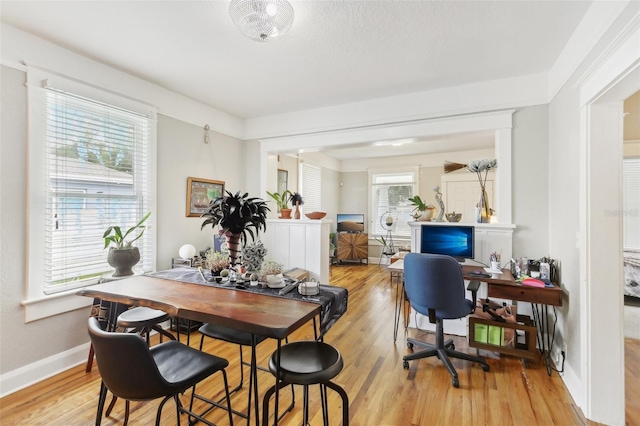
pixel 545 271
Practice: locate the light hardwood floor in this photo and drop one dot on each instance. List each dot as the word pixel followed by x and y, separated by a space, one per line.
pixel 380 391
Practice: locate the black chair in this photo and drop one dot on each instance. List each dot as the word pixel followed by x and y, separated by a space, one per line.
pixel 306 363
pixel 134 372
pixel 435 287
pixel 241 339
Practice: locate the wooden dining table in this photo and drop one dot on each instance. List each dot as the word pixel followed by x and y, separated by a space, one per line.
pixel 258 314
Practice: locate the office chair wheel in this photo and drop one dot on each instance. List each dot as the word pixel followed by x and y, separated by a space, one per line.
pixel 455 382
pixel 452 347
pixel 485 367
pixel 405 365
pixel 410 345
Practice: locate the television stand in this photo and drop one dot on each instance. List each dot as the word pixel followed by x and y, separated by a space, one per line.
pixel 353 246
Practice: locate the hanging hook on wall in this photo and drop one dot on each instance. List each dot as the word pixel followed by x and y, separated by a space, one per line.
pixel 206 133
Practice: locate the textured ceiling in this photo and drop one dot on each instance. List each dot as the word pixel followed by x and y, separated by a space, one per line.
pixel 336 51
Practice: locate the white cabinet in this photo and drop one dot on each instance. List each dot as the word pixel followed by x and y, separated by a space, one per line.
pixel 299 243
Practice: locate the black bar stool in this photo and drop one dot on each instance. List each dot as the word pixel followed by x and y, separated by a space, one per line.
pixel 142 320
pixel 241 339
pixel 307 363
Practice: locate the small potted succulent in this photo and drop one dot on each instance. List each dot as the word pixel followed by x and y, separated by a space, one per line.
pixel 282 201
pixel 271 272
pixel 216 261
pixel 123 256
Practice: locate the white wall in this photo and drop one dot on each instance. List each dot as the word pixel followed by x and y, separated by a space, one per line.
pixel 530 178
pixel 182 153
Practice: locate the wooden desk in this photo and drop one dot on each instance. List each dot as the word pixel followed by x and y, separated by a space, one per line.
pixel 504 286
pixel 258 314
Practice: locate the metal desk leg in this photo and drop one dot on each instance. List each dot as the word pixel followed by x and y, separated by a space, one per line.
pixel 545 338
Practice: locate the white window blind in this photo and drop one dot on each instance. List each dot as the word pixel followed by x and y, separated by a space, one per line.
pixel 631 203
pixel 390 192
pixel 96 173
pixel 310 187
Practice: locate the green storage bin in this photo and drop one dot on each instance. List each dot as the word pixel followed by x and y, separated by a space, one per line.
pixel 481 333
pixel 496 335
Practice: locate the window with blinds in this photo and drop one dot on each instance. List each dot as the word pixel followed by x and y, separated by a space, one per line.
pixel 310 187
pixel 631 203
pixel 390 192
pixel 96 174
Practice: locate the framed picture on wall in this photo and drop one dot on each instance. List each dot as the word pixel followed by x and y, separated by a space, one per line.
pixel 283 180
pixel 200 192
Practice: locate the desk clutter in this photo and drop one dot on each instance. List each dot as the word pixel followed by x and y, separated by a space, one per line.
pixel 544 269
pixel 497 326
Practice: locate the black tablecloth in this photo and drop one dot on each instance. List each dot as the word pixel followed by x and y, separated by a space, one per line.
pixel 333 299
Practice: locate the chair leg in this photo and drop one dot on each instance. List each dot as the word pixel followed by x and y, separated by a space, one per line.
pixel 101 401
pixel 467 357
pixel 345 401
pixel 164 400
pixel 111 405
pixel 90 359
pixel 126 412
pixel 442 354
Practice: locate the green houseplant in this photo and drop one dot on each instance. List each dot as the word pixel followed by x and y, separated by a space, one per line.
pixel 122 255
pixel 421 210
pixel 237 216
pixel 282 201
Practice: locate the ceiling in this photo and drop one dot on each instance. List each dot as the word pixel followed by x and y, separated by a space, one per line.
pixel 336 51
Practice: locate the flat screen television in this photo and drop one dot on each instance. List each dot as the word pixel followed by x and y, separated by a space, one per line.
pixel 452 240
pixel 350 222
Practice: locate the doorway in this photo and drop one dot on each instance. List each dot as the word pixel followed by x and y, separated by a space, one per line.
pixel 602 369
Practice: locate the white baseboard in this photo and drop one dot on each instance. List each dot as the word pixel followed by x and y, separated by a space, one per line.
pixel 574 385
pixel 40 370
pixel 35 372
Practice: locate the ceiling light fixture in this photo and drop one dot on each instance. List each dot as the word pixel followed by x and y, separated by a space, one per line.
pixel 261 20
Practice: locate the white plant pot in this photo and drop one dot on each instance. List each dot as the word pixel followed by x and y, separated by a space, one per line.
pixel 275 281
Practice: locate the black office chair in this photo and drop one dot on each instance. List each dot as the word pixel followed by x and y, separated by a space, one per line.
pixel 134 372
pixel 435 288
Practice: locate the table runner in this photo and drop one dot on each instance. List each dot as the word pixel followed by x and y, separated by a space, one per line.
pixel 333 299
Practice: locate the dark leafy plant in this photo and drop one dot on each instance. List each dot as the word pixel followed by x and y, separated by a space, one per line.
pixel 296 198
pixel 113 235
pixel 237 214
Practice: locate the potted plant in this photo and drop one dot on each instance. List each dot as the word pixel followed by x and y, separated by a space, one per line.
pixel 271 272
pixel 282 201
pixel 421 210
pixel 237 215
pixel 296 200
pixel 332 246
pixel 122 255
pixel 216 261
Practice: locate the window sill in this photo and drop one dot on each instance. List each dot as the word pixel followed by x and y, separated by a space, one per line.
pixel 56 304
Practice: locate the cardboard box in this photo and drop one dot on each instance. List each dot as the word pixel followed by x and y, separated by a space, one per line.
pixel 297 274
